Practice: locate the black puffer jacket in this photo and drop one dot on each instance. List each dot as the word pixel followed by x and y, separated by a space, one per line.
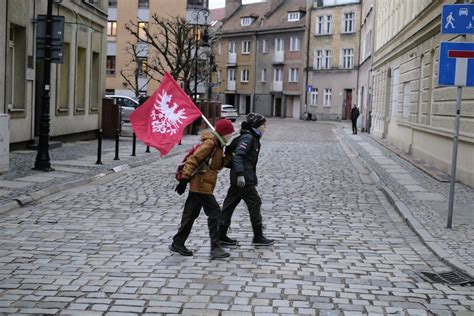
pixel 245 158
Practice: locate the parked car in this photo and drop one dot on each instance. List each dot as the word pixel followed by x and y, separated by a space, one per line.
pixel 126 104
pixel 228 111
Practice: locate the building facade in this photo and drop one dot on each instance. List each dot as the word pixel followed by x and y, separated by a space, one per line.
pixel 77 84
pixel 364 76
pixel 334 34
pixel 409 108
pixel 140 13
pixel 260 57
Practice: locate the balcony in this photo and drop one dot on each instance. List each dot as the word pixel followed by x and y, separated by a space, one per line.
pixel 278 57
pixel 277 86
pixel 232 60
pixel 231 85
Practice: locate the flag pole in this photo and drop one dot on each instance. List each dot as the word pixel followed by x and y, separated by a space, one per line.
pixel 207 122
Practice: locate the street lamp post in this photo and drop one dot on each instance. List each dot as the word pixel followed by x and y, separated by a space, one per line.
pixel 196 15
pixel 42 159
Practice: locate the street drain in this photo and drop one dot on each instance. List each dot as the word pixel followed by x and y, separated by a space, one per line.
pixel 450 277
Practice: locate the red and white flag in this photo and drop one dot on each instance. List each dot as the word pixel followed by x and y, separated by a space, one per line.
pixel 160 121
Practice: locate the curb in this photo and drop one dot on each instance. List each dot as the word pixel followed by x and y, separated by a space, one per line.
pixel 26 199
pixel 407 215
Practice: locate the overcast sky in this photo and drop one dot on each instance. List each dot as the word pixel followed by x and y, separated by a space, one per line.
pixel 221 3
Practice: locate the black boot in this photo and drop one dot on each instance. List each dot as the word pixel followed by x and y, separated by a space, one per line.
pixel 223 236
pixel 259 239
pixel 219 253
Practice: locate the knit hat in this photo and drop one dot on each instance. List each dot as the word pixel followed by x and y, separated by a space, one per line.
pixel 224 127
pixel 256 120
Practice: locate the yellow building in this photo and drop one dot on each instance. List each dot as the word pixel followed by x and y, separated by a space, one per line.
pixel 77 84
pixel 409 108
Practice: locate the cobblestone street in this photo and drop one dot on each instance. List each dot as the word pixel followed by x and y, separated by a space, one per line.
pixel 341 247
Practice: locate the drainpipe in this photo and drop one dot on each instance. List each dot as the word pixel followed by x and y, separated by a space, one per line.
pixel 252 99
pixel 5 61
pixel 308 31
pixel 358 64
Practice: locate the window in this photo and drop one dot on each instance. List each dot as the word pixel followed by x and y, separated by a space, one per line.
pixel 314 97
pixel 293 16
pixel 245 21
pixel 64 78
pixel 81 63
pixel 112 28
pixel 142 66
pixel 278 44
pixel 327 59
pixel 219 48
pixel 347 58
pixel 318 59
pixel 264 46
pixel 143 3
pixel 94 88
pixel 294 44
pixel 264 75
pixel 16 68
pixel 327 97
pixel 245 47
pixel 244 75
pixel 219 75
pixel 324 25
pixel 110 67
pixel 349 23
pixel 142 28
pixel 278 74
pixel 406 100
pixel 232 47
pixel 112 3
pixel 231 75
pixel 293 75
pixel 395 81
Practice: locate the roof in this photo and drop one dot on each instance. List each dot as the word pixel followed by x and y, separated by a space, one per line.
pixel 265 19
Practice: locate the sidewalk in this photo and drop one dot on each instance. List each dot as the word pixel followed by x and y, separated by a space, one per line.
pixel 74 164
pixel 420 193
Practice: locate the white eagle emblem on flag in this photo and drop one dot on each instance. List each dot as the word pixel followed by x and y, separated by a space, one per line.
pixel 166 119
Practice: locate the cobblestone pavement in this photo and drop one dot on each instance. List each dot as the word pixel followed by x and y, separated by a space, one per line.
pixel 425 198
pixel 341 249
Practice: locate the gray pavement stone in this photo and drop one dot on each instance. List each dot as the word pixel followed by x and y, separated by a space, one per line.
pixel 341 246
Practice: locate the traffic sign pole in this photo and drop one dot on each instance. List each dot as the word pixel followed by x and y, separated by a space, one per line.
pixel 454 157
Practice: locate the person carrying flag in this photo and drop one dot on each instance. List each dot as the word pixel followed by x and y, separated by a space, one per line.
pixel 200 169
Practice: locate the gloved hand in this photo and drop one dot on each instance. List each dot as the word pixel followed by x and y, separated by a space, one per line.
pixel 181 187
pixel 240 181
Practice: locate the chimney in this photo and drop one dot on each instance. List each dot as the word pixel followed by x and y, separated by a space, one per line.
pixel 231 6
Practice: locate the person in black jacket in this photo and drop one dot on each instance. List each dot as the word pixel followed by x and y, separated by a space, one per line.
pixel 354 115
pixel 243 181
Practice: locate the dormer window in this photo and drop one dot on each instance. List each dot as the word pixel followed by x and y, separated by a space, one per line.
pixel 293 16
pixel 246 21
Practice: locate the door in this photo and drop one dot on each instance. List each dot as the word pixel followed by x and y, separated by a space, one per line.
pixel 296 107
pixel 277 106
pixel 247 104
pixel 347 104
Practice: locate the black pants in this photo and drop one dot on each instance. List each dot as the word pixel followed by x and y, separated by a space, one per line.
pixel 234 195
pixel 192 208
pixel 354 126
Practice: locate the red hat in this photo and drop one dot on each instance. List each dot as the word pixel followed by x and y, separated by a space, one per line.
pixel 224 127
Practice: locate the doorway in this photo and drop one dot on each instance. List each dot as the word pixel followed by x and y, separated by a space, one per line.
pixel 277 107
pixel 347 104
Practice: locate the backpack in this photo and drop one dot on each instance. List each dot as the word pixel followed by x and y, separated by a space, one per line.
pixel 179 170
pixel 230 150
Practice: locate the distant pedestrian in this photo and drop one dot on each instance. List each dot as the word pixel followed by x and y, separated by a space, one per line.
pixel 243 181
pixel 201 170
pixel 354 115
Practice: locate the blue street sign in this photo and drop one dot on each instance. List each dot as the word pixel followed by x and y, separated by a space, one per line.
pixel 457 19
pixel 309 88
pixel 456 64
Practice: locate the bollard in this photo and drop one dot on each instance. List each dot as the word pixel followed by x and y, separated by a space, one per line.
pixel 134 144
pixel 117 138
pixel 147 149
pixel 99 147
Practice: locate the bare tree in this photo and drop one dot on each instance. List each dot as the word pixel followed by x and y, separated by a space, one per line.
pixel 171 47
pixel 135 68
